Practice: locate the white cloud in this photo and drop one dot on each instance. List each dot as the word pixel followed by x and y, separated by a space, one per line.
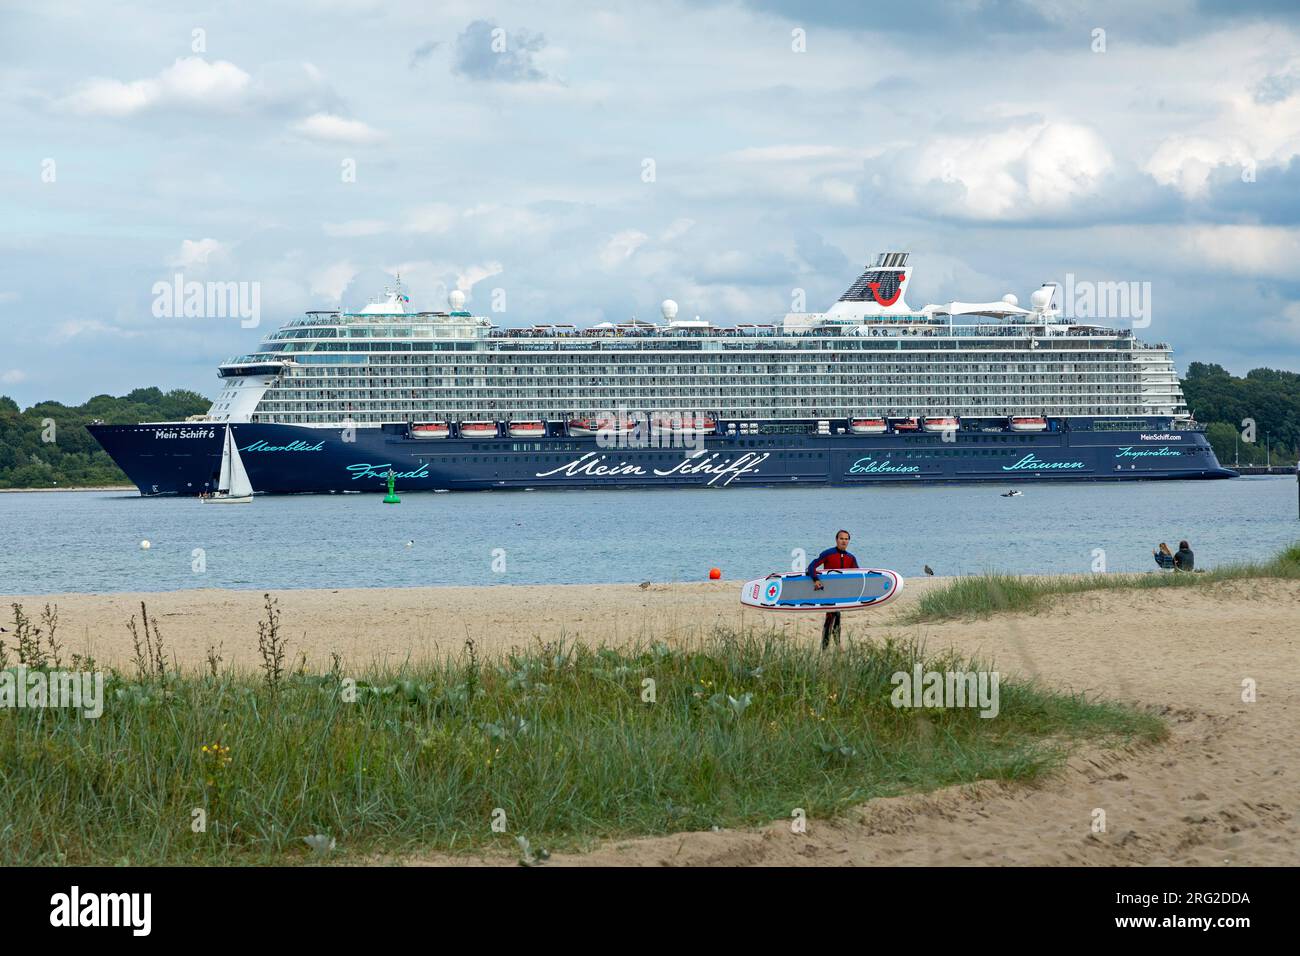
pixel 798 171
pixel 356 227
pixel 474 274
pixel 621 246
pixel 836 174
pixel 1186 162
pixel 328 128
pixel 13 376
pixel 194 255
pixel 1244 114
pixel 431 218
pixel 8 297
pixel 332 279
pixel 493 222
pixel 677 229
pixel 1016 172
pixel 1266 251
pixel 78 328
pixel 786 153
pixel 191 82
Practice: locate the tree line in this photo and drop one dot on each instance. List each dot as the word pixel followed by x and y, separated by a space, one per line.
pixel 47 445
pixel 1248 420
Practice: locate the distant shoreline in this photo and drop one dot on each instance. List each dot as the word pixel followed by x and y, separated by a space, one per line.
pixel 78 488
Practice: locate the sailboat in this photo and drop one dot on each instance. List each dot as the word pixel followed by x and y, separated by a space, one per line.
pixel 233 486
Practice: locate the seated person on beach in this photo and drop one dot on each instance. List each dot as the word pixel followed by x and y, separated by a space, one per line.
pixel 1164 557
pixel 1184 560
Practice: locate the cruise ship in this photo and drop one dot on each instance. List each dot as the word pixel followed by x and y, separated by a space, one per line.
pixel 871 391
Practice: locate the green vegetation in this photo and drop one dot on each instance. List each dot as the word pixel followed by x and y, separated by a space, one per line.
pixel 1223 402
pixel 984 594
pixel 743 728
pixel 73 458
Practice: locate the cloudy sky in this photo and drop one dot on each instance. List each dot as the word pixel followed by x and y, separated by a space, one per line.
pixel 590 160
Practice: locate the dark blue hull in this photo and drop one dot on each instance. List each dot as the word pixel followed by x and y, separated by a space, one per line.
pixel 184 459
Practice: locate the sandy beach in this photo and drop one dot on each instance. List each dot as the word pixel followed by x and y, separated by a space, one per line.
pixel 1222 790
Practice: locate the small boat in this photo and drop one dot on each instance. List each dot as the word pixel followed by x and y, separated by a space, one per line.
pixel 1013 493
pixel 430 430
pixel 527 429
pixel 1028 423
pixel 583 427
pixel 478 430
pixel 907 425
pixel 694 426
pixel 867 426
pixel 233 486
pixel 942 423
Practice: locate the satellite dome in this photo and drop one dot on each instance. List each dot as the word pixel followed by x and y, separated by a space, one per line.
pixel 669 309
pixel 1041 298
pixel 456 299
pixel 1010 299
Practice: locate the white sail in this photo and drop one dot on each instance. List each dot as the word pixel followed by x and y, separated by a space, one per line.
pixel 240 486
pixel 223 482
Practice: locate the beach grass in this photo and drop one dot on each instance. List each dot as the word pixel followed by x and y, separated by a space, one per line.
pixel 561 744
pixel 981 595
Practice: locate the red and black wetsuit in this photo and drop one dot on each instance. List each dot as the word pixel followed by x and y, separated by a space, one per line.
pixel 832 559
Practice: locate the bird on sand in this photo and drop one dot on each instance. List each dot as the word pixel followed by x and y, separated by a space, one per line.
pixel 928 570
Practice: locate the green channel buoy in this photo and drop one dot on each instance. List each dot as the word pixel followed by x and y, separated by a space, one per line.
pixel 391 498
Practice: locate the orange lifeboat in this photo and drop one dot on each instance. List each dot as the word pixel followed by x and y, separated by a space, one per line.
pixel 867 426
pixel 527 429
pixel 1028 423
pixel 478 430
pixel 694 426
pixel 430 430
pixel 586 427
pixel 941 423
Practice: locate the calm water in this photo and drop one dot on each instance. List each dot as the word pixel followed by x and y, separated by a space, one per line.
pixel 90 541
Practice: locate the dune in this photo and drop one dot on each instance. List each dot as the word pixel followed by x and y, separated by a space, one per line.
pixel 1222 790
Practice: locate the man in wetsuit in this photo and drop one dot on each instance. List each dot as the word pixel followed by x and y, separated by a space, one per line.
pixel 836 558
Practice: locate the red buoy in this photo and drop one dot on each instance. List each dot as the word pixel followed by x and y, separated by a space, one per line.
pixel 714 574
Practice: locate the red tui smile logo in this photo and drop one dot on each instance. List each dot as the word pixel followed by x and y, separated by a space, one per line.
pixel 875 291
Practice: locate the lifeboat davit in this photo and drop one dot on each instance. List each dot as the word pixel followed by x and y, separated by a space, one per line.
pixel 478 430
pixel 527 429
pixel 906 425
pixel 1028 423
pixel 942 423
pixel 430 430
pixel 867 426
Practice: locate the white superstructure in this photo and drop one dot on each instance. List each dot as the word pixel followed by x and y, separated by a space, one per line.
pixel 870 354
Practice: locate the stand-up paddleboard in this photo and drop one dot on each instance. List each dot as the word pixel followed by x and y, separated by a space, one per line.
pixel 849 590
